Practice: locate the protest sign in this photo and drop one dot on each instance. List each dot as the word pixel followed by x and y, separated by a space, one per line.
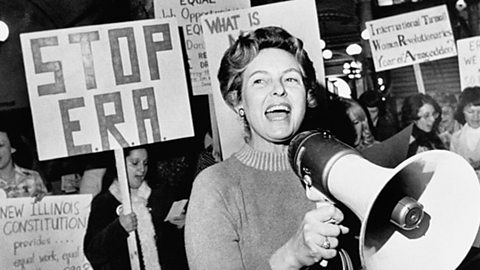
pixel 223 28
pixel 44 235
pixel 469 61
pixel 411 38
pixel 187 13
pixel 103 87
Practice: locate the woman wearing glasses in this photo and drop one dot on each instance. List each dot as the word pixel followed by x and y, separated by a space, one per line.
pixel 425 114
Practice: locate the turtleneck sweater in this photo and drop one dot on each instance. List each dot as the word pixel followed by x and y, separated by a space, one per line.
pixel 242 210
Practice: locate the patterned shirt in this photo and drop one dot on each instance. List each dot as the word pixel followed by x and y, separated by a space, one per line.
pixel 27 183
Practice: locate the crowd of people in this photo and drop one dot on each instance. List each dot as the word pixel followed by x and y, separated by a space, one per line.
pixel 249 211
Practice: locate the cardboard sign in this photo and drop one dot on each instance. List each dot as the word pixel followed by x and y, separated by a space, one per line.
pixel 469 61
pixel 221 29
pixel 104 87
pixel 44 235
pixel 410 38
pixel 188 13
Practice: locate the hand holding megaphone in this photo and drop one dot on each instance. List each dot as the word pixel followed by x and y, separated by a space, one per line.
pixel 316 239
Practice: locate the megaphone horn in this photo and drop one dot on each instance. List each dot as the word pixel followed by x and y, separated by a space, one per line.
pixel 407 213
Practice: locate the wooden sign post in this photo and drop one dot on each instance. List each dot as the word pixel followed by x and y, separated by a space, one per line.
pixel 418 78
pixel 126 206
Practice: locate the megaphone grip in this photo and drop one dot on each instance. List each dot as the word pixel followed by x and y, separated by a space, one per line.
pixel 314 153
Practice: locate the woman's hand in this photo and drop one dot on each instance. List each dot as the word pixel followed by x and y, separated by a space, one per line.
pixel 315 239
pixel 178 221
pixel 128 221
pixel 38 195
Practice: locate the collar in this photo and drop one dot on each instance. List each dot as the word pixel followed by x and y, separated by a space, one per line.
pixel 266 161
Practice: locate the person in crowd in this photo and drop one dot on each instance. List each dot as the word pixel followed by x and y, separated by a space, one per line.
pixel 424 113
pixel 16 181
pixel 466 142
pixel 250 211
pixel 105 241
pixel 383 123
pixel 448 125
pixel 208 156
pixel 359 120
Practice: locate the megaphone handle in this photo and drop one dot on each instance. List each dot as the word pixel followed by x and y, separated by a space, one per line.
pixel 324 263
pixel 320 200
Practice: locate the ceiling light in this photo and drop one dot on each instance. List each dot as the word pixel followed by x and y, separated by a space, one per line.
pixel 322 44
pixel 365 34
pixel 354 49
pixel 327 54
pixel 4 31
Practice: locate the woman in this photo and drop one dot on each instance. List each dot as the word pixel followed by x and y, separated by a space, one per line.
pixel 250 211
pixel 359 121
pixel 105 242
pixel 466 142
pixel 16 181
pixel 424 112
pixel 448 125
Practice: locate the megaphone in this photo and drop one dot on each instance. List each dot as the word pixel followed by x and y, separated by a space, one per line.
pixel 423 214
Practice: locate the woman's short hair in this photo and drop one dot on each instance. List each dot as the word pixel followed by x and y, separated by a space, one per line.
pixel 247 47
pixel 412 104
pixel 445 98
pixel 470 95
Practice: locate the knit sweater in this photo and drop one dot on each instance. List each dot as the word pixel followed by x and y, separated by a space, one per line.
pixel 242 210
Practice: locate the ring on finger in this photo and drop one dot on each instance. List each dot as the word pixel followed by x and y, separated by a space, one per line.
pixel 326 244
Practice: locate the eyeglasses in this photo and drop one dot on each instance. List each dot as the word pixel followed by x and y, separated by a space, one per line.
pixel 428 115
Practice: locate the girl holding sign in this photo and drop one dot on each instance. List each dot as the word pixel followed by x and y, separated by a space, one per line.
pixel 250 211
pixel 105 243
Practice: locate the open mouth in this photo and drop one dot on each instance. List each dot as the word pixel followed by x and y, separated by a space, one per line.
pixel 278 112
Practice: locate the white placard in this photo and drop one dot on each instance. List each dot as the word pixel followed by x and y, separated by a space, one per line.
pixel 188 13
pixel 410 38
pixel 104 87
pixel 223 28
pixel 44 235
pixel 469 61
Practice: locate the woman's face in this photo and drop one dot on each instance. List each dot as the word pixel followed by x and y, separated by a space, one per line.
pixel 5 151
pixel 273 97
pixel 427 115
pixel 447 114
pixel 472 115
pixel 137 166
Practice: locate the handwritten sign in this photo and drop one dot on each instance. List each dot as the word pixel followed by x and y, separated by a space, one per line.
pixel 223 28
pixel 104 87
pixel 469 61
pixel 188 13
pixel 44 235
pixel 410 38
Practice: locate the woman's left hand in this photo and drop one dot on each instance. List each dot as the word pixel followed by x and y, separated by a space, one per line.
pixel 178 221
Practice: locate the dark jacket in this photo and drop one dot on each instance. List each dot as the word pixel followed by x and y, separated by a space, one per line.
pixel 105 242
